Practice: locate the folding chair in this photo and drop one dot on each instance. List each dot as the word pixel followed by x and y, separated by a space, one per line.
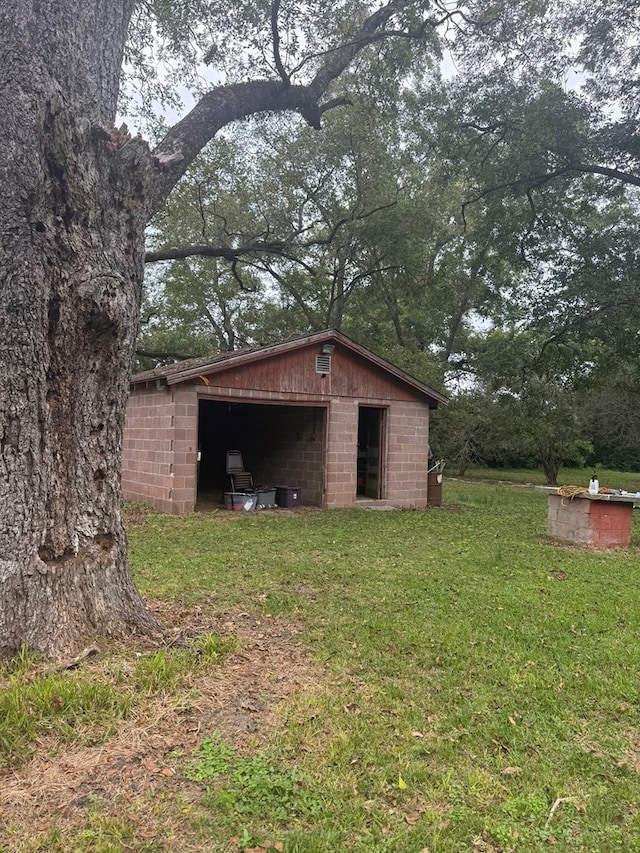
pixel 234 461
pixel 241 480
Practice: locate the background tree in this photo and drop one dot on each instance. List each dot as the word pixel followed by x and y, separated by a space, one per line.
pixel 357 228
pixel 611 419
pixel 295 224
pixel 469 237
pixel 550 91
pixel 561 345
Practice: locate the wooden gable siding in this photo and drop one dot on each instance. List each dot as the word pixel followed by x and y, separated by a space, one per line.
pixel 295 372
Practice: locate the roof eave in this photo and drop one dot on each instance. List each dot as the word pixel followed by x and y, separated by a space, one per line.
pixel 242 358
pixel 281 348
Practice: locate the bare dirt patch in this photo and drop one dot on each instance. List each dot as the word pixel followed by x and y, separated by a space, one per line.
pixel 139 764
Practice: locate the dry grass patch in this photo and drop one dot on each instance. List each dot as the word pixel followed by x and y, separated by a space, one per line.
pixel 131 776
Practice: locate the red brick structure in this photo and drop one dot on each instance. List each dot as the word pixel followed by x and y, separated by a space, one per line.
pixel 600 521
pixel 319 412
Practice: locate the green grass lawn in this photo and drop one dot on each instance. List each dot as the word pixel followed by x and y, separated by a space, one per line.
pixel 627 480
pixel 476 673
pixel 479 686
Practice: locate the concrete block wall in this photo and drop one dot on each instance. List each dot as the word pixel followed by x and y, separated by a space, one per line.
pixel 597 524
pixel 342 453
pixel 404 462
pixel 185 450
pixel 161 439
pixel 407 451
pixel 158 464
pixel 568 519
pixel 290 452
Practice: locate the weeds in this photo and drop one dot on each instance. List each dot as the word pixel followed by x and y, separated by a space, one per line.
pixel 260 789
pixel 60 706
pixel 211 760
pixel 68 707
pixel 166 668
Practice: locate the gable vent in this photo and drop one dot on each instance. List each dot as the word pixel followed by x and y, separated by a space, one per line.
pixel 323 364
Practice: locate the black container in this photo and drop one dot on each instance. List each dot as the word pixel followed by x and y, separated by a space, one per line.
pixel 288 496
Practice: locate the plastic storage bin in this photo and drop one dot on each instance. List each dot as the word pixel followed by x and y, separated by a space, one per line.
pixel 288 496
pixel 240 501
pixel 266 498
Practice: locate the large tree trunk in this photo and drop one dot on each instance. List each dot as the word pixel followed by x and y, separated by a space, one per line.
pixel 72 218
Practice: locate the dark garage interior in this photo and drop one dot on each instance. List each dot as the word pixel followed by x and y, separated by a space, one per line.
pixel 370 451
pixel 280 446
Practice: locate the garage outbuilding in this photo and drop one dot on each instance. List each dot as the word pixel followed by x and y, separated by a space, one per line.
pixel 319 413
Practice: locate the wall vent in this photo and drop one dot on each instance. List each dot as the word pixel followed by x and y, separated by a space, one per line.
pixel 323 364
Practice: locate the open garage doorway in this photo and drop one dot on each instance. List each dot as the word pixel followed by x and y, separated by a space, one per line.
pixel 280 446
pixel 371 423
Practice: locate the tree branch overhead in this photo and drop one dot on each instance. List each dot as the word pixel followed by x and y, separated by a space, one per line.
pixel 225 104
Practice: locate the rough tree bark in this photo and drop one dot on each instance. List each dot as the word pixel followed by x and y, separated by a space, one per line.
pixel 75 197
pixel 72 218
